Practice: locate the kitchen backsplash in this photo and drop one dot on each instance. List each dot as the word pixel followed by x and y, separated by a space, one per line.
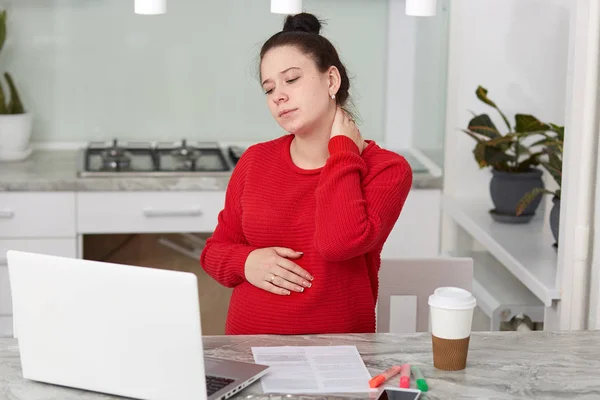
pixel 93 70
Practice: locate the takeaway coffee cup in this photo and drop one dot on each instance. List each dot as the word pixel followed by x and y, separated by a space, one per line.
pixel 451 313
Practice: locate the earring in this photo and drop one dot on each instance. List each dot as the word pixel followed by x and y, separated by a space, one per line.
pixel 333 97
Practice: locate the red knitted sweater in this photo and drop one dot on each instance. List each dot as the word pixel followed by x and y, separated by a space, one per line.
pixel 339 216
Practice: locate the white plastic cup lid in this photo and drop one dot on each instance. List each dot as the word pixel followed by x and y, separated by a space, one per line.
pixel 452 298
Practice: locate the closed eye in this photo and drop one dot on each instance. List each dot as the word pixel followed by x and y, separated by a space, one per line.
pixel 288 81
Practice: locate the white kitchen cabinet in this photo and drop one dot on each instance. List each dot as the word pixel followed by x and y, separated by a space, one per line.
pixel 37 214
pixel 148 212
pixel 38 222
pixel 417 231
pixel 65 247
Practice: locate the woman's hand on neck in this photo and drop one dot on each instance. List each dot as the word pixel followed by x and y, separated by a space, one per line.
pixel 343 125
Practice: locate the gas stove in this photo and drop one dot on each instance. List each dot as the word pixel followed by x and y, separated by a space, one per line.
pixel 183 158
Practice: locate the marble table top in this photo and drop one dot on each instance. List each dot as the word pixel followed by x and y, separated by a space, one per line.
pixel 501 365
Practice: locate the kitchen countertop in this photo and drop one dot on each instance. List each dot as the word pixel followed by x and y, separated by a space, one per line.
pixel 501 365
pixel 56 170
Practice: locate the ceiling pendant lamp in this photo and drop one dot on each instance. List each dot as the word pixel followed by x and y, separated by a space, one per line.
pixel 286 6
pixel 421 8
pixel 150 7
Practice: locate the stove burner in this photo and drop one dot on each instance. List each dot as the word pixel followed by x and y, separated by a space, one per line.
pixel 155 159
pixel 114 150
pixel 184 151
pixel 185 157
pixel 116 164
pixel 115 158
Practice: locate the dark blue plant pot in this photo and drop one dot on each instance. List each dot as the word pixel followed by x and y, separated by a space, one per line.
pixel 555 217
pixel 508 188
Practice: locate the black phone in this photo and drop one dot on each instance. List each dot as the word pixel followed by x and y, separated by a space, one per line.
pixel 392 393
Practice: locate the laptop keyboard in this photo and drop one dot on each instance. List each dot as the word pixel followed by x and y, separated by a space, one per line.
pixel 216 383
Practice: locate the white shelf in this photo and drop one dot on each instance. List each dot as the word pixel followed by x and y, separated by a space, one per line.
pixel 499 294
pixel 494 286
pixel 523 249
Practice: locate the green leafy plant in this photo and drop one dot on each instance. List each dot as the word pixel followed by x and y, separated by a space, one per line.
pixel 13 104
pixel 553 164
pixel 506 152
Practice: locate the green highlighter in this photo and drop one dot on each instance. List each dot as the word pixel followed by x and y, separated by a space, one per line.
pixel 421 384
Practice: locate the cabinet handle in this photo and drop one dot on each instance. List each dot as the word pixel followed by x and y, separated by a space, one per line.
pixel 192 212
pixel 6 214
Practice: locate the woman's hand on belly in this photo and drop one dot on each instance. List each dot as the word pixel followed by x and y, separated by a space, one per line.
pixel 273 270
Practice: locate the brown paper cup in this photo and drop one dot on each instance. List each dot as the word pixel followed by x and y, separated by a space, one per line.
pixel 451 314
pixel 450 354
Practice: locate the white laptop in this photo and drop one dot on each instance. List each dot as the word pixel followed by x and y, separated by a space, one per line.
pixel 118 329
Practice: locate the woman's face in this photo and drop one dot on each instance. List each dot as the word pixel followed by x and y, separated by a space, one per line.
pixel 298 95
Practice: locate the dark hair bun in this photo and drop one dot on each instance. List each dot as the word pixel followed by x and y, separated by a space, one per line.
pixel 303 22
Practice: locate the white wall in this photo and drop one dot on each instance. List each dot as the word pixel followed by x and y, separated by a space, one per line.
pixel 593 321
pixel 577 262
pixel 517 49
pixel 416 78
pixel 431 63
pixel 190 73
pixel 417 231
pixel 400 70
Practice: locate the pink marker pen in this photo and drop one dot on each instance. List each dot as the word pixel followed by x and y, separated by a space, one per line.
pixel 405 376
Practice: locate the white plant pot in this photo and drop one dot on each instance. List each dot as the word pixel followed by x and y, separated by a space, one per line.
pixel 15 132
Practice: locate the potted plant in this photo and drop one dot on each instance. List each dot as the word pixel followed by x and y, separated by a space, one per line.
pixel 15 122
pixel 513 162
pixel 553 164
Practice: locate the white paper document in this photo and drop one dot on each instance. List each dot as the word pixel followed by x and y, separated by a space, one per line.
pixel 312 369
